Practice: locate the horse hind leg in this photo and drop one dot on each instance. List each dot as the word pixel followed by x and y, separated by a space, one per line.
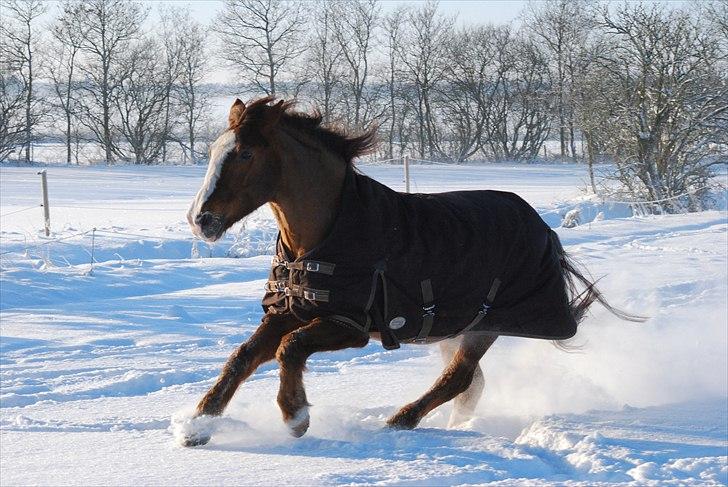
pixel 462 380
pixel 464 403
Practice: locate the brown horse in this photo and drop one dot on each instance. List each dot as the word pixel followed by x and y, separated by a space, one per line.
pixel 271 154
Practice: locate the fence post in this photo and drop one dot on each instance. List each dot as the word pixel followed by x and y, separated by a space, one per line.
pixel 46 208
pixel 93 248
pixel 405 160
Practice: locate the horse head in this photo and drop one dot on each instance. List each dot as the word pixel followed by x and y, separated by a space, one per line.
pixel 243 170
pixel 268 154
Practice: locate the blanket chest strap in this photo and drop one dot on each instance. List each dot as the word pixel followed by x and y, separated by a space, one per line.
pixel 305 265
pixel 296 291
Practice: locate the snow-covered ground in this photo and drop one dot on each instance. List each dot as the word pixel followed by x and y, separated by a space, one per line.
pixel 96 362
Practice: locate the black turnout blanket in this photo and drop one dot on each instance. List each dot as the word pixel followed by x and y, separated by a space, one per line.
pixel 413 266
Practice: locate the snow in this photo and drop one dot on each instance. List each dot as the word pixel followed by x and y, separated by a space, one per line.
pixel 101 368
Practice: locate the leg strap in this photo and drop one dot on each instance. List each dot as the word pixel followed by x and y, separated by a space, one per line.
pixel 428 308
pixel 484 307
pixel 386 334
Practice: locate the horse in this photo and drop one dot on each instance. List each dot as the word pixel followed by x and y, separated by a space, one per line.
pixel 353 257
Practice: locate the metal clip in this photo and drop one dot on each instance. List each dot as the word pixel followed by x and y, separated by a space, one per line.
pixel 279 262
pixel 310 295
pixel 429 310
pixel 287 291
pixel 312 266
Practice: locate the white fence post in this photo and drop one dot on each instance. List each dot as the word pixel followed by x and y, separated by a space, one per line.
pixel 46 208
pixel 405 160
pixel 93 250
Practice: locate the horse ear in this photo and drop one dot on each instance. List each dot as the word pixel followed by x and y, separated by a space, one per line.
pixel 273 114
pixel 236 112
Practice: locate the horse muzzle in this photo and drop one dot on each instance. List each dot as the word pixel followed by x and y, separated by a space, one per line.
pixel 210 226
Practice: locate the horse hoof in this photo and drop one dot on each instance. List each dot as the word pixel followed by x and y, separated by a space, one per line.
pixel 298 424
pixel 195 440
pixel 403 420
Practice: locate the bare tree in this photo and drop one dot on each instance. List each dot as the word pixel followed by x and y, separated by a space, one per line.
pixel 68 34
pixel 172 19
pixel 13 89
pixel 109 26
pixel 561 27
pixel 140 102
pixel 667 96
pixel 393 26
pixel 20 33
pixel 591 101
pixel 192 100
pixel 323 61
pixel 354 24
pixel 261 39
pixel 716 19
pixel 425 49
pixel 716 13
pixel 473 79
pixel 519 121
pixel 12 98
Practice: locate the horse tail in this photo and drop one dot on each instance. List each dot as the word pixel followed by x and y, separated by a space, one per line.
pixel 575 279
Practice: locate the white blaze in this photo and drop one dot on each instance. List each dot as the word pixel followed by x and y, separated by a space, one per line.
pixel 218 152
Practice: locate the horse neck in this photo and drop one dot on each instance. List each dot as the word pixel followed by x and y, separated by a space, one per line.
pixel 306 203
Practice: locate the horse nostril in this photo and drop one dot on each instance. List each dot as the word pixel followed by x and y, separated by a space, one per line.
pixel 204 219
pixel 209 223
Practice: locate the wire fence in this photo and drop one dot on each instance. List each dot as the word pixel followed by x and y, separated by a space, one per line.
pixel 639 207
pixel 679 203
pixel 87 242
pixel 661 200
pixel 430 162
pixel 116 208
pixel 379 162
pixel 3 215
pixel 41 250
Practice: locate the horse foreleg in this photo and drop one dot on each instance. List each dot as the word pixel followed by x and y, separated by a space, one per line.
pixel 258 349
pixel 458 377
pixel 295 348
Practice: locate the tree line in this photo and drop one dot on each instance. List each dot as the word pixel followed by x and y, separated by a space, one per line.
pixel 642 85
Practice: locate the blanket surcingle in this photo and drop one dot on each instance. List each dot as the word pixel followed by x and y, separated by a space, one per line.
pixel 418 266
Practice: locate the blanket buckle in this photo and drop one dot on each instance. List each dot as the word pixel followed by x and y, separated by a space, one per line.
pixel 277 261
pixel 428 317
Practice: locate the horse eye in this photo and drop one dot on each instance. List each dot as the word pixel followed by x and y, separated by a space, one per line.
pixel 246 155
